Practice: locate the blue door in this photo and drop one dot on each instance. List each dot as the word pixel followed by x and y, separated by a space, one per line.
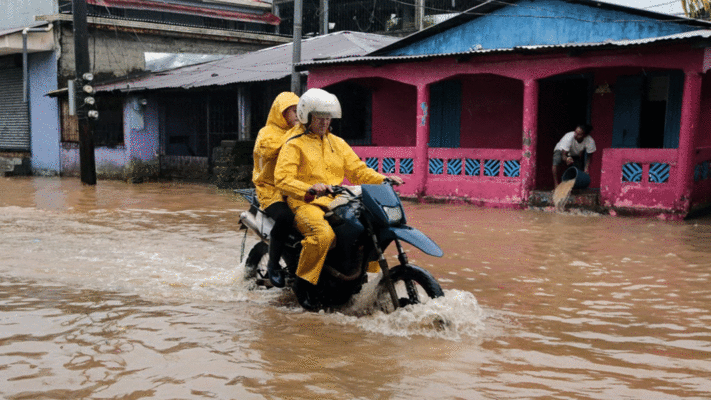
pixel 445 114
pixel 672 122
pixel 645 117
pixel 628 104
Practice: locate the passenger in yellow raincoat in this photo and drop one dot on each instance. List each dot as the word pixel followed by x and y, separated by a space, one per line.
pixel 270 140
pixel 310 162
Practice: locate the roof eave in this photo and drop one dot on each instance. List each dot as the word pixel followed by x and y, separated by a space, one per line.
pixel 701 41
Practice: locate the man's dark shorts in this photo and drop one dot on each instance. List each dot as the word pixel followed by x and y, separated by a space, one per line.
pixel 577 161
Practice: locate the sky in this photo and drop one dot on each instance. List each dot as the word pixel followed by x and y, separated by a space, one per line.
pixel 663 6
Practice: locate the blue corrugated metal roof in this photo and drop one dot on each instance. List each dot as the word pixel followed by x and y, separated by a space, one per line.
pixel 698 34
pixel 486 7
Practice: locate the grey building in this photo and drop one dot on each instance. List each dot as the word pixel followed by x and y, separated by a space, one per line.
pixel 182 115
pixel 37 57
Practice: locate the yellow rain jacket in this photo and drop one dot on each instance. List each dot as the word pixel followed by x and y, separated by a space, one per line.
pixel 307 159
pixel 266 149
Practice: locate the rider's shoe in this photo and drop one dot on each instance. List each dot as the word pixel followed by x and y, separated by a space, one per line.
pixel 305 295
pixel 276 275
pixel 274 271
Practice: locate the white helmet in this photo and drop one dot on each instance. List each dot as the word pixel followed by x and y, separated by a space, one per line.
pixel 317 101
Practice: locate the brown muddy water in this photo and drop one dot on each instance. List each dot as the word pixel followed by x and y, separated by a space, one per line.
pixel 123 291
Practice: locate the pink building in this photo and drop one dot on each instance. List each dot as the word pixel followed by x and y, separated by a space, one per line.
pixel 471 108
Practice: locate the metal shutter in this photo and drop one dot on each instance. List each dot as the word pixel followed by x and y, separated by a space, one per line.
pixel 14 123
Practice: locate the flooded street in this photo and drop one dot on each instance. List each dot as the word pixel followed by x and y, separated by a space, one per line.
pixel 126 291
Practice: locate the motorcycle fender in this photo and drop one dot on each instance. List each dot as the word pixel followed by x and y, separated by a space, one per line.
pixel 417 239
pixel 260 223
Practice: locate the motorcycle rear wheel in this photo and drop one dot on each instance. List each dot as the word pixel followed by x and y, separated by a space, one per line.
pixel 256 265
pixel 413 285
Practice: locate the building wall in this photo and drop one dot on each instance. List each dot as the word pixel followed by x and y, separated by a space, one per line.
pixel 110 162
pixel 704 136
pixel 16 13
pixel 136 158
pixel 542 23
pixel 602 115
pixel 492 112
pixel 44 114
pixel 701 195
pixel 446 172
pixel 114 53
pixel 141 129
pixel 394 114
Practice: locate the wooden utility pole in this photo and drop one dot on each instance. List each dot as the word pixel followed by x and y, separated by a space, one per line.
pixel 87 163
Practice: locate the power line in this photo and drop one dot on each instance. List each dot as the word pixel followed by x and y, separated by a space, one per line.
pixel 475 13
pixel 118 40
pixel 662 4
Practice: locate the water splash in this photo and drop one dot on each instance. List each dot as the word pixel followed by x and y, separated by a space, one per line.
pixel 455 315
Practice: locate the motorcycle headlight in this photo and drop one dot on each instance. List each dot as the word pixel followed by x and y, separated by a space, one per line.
pixel 394 214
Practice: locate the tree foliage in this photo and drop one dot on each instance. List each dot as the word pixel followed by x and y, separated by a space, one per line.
pixel 699 9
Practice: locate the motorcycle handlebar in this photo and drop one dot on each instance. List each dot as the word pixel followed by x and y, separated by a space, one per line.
pixel 338 189
pixel 335 191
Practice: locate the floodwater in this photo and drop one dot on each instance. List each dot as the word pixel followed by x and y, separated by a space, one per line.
pixel 123 291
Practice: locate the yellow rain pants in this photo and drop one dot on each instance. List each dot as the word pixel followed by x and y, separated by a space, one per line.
pixel 318 237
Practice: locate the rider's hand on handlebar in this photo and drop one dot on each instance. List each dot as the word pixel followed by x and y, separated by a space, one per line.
pixel 394 179
pixel 317 190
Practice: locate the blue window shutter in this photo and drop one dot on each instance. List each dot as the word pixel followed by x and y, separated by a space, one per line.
pixel 628 102
pixel 672 122
pixel 445 114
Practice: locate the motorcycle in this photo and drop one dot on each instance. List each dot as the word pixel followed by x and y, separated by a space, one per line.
pixel 366 220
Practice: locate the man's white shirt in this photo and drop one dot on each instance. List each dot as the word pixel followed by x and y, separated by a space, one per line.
pixel 569 144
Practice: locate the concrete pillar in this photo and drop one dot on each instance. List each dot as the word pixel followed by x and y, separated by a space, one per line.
pixel 530 138
pixel 421 162
pixel 689 127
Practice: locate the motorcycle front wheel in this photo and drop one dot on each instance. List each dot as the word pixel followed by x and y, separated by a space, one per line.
pixel 413 285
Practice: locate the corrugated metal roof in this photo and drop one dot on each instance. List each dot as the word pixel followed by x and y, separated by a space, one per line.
pixel 485 7
pixel 156 62
pixel 698 34
pixel 264 65
pixel 10 31
pixel 252 11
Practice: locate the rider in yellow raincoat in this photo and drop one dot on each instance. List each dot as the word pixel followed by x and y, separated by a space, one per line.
pixel 266 149
pixel 310 161
pixel 270 140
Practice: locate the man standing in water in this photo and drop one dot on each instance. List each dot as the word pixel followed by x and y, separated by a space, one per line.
pixel 575 148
